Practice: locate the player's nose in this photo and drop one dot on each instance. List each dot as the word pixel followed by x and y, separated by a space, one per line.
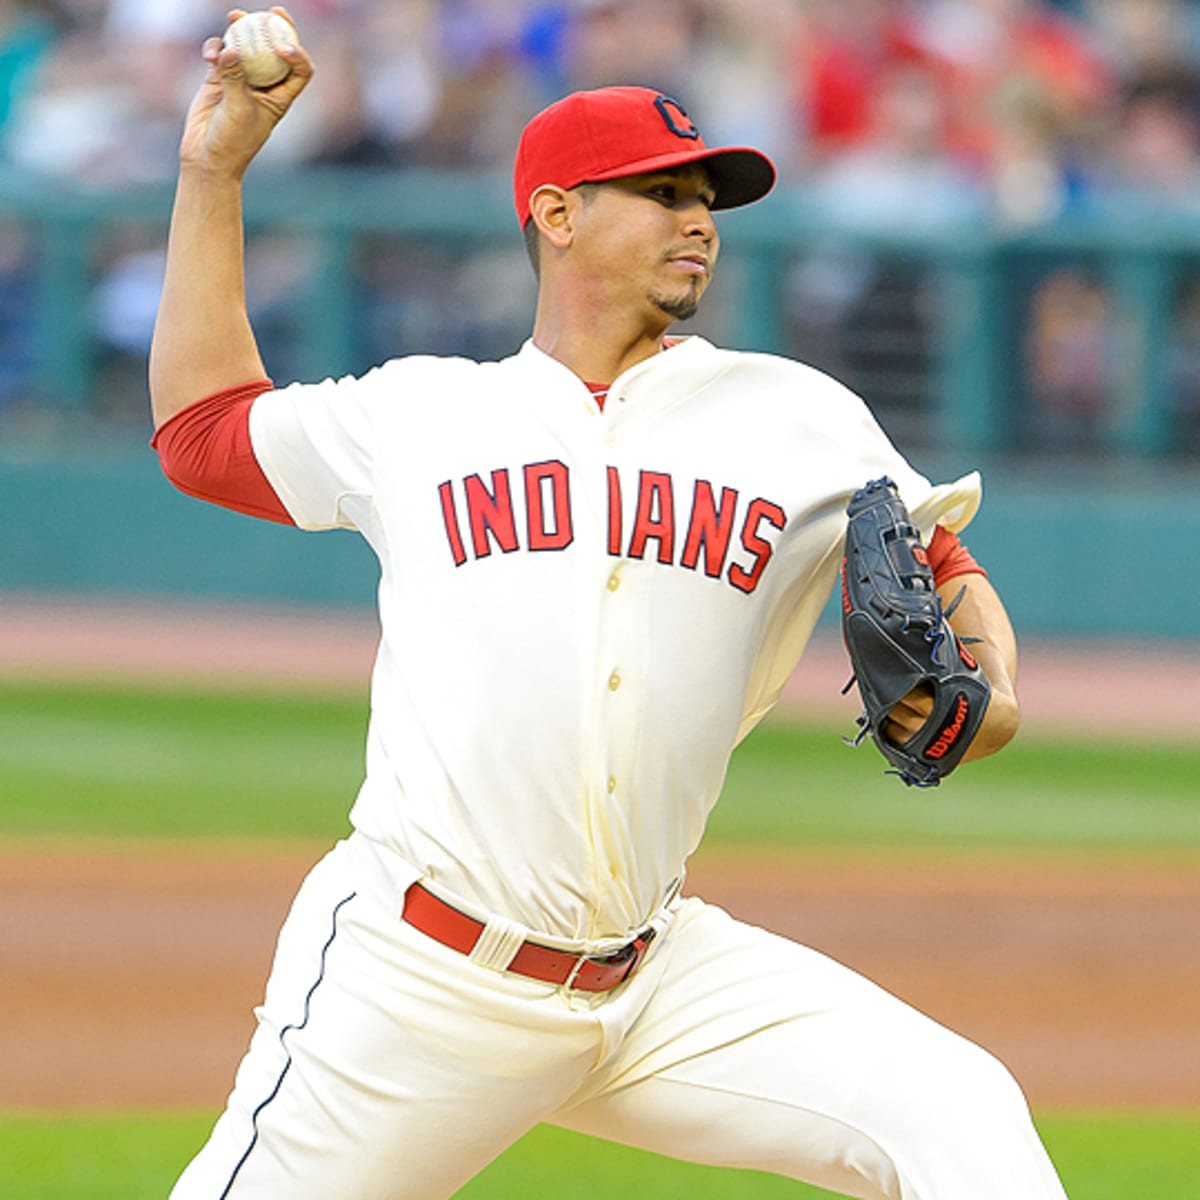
pixel 698 221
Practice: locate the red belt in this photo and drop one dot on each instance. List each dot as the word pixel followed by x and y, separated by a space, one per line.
pixel 587 973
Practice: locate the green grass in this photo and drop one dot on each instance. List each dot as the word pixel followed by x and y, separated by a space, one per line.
pixel 77 1157
pixel 97 760
pixel 126 762
pixel 130 762
pixel 794 786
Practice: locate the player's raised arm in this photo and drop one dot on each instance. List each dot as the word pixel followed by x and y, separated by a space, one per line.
pixel 203 341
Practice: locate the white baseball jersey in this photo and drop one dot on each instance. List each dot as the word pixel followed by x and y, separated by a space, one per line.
pixel 582 610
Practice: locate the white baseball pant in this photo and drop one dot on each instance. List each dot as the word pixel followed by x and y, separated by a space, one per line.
pixel 386 1066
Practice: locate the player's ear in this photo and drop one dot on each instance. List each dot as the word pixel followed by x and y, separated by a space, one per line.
pixel 551 210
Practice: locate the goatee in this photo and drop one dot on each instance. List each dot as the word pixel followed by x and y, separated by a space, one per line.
pixel 680 308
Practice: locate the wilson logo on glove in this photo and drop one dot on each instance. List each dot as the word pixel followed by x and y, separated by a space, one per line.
pixel 899 640
pixel 951 732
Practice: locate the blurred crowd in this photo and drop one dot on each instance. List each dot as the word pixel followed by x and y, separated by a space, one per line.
pixel 1020 109
pixel 1014 113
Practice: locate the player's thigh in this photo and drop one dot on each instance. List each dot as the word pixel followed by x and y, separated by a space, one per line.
pixel 384 1066
pixel 757 1052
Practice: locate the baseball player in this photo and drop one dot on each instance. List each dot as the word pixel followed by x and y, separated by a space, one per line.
pixel 600 560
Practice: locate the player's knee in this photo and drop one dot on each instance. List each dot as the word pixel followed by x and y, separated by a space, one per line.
pixel 967 1131
pixel 987 1086
pixel 974 1097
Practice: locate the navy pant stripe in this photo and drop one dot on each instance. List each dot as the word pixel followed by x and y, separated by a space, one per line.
pixel 282 1034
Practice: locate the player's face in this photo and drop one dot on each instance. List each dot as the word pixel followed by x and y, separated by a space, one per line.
pixel 653 239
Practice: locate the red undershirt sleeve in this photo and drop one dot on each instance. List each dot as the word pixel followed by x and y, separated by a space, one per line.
pixel 948 557
pixel 206 452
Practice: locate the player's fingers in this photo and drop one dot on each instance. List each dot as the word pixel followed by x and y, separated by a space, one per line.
pixel 220 61
pixel 908 716
pixel 228 67
pixel 918 702
pixel 281 95
pixel 899 731
pixel 899 728
pixel 297 58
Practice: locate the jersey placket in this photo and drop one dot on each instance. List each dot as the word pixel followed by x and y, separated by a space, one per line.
pixel 618 683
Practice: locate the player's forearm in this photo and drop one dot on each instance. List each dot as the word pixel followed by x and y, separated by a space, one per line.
pixel 981 614
pixel 203 341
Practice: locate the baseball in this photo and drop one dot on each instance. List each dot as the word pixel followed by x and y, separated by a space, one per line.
pixel 255 36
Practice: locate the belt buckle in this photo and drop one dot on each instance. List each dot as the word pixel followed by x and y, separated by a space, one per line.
pixel 634 951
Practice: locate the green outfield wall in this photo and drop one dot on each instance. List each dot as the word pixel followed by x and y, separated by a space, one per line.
pixel 1073 554
pixel 1064 361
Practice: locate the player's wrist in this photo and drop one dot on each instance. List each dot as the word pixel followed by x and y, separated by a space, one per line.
pixel 205 177
pixel 999 726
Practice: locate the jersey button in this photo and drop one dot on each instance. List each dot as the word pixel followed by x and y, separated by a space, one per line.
pixel 614 681
pixel 612 785
pixel 614 582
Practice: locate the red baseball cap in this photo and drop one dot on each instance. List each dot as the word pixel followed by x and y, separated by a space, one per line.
pixel 588 137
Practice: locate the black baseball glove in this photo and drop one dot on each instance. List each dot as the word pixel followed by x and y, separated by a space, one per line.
pixel 899 639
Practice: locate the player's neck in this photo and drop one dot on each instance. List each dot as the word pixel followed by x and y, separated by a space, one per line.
pixel 598 350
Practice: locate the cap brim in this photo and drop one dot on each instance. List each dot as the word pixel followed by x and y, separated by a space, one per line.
pixel 740 174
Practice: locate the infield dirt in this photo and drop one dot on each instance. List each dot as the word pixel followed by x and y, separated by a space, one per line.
pixel 130 971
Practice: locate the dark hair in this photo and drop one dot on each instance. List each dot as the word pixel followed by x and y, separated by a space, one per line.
pixel 533 247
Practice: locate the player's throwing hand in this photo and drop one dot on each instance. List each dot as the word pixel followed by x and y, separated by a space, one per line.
pixel 229 121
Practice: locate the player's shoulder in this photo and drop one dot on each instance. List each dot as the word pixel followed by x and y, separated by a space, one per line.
pixel 442 367
pixel 395 385
pixel 450 368
pixel 794 382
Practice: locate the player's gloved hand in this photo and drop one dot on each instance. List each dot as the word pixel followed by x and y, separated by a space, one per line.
pixel 924 695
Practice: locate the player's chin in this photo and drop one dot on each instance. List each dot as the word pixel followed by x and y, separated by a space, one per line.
pixel 680 306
